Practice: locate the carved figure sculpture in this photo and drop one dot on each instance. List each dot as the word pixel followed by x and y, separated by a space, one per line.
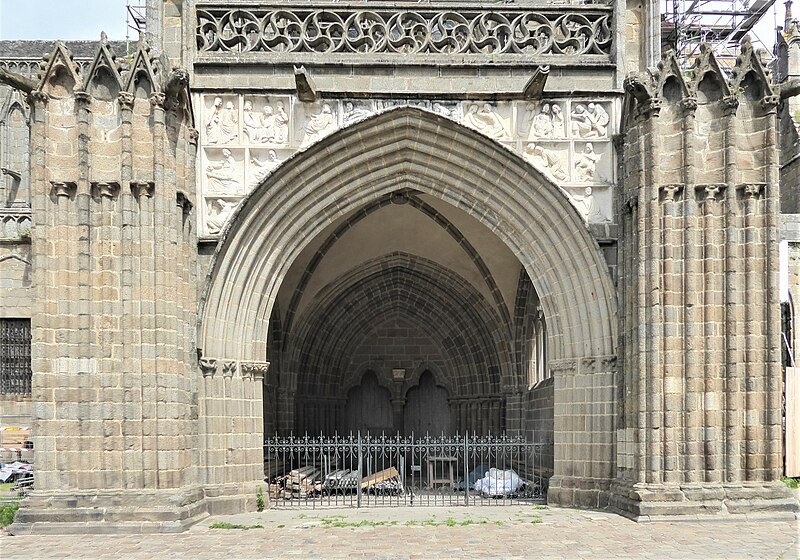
pixel 543 123
pixel 212 125
pixel 223 125
pixel 587 205
pixel 546 160
pixel 281 124
pixel 580 125
pixel 526 125
pixel 219 210
pixel 558 121
pixel 267 124
pixel 264 167
pixel 222 175
pixel 252 123
pixel 589 123
pixel 586 164
pixel 487 121
pixel 319 125
pixel 599 119
pixel 353 113
pixel 443 110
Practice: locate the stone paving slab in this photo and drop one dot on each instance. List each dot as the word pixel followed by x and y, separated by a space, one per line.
pixel 423 533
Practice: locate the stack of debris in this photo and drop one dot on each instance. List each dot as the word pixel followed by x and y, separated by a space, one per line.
pixel 341 481
pixel 385 482
pixel 299 483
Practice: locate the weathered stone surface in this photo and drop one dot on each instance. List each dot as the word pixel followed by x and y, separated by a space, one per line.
pixel 420 220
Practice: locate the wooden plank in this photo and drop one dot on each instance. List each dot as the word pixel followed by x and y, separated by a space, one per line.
pixel 379 476
pixel 793 421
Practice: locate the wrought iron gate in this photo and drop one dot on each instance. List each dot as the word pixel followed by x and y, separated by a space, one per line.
pixel 366 470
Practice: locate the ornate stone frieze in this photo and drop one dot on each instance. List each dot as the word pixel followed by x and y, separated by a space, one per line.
pixel 561 367
pixel 245 137
pixel 405 34
pixel 598 364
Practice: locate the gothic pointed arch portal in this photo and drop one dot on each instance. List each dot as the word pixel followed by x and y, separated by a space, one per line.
pixel 408 148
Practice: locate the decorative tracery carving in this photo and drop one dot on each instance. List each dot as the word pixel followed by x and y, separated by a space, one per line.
pixel 405 32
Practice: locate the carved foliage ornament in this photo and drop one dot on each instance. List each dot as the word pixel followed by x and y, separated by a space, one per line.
pixel 352 31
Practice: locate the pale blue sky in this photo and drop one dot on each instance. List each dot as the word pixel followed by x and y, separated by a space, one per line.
pixel 84 19
pixel 63 19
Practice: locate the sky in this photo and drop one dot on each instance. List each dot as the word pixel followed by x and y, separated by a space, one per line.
pixel 64 19
pixel 84 19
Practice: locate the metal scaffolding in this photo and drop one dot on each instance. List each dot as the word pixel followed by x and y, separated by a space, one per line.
pixel 135 18
pixel 686 24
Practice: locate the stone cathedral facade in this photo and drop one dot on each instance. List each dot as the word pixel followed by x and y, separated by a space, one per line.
pixel 287 217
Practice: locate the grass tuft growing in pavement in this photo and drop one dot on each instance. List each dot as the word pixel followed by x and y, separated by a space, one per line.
pixel 226 525
pixel 791 482
pixel 338 521
pixel 7 513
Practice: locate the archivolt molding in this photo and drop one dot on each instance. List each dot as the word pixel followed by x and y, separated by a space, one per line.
pixel 356 166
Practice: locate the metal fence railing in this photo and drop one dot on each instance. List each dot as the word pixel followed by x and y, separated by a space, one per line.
pixel 360 470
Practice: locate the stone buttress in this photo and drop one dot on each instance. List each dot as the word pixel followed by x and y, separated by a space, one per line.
pixel 699 421
pixel 114 359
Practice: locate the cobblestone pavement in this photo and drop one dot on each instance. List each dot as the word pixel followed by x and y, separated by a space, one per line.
pixel 489 532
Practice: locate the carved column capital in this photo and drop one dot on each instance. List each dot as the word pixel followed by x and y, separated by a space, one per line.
pixel 157 99
pixel 183 202
pixel 651 107
pixel 63 189
pixel 105 190
pixel 142 189
pixel 125 100
pixel 254 370
pixel 688 105
pixel 38 98
pixel 229 368
pixel 752 191
pixel 82 98
pixel 670 192
pixel 710 191
pixel 729 105
pixel 770 103
pixel 208 366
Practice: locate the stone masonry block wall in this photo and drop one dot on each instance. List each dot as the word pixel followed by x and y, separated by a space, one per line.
pixel 114 356
pixel 16 276
pixel 700 385
pixel 538 406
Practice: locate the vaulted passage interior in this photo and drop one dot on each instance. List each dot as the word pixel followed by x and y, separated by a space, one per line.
pixel 408 316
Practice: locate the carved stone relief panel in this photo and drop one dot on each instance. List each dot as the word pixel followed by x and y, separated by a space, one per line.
pixel 246 137
pixel 316 121
pixel 221 120
pixel 265 120
pixel 491 119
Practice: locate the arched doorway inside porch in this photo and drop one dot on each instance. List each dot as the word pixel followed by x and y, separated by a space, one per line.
pixel 267 300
